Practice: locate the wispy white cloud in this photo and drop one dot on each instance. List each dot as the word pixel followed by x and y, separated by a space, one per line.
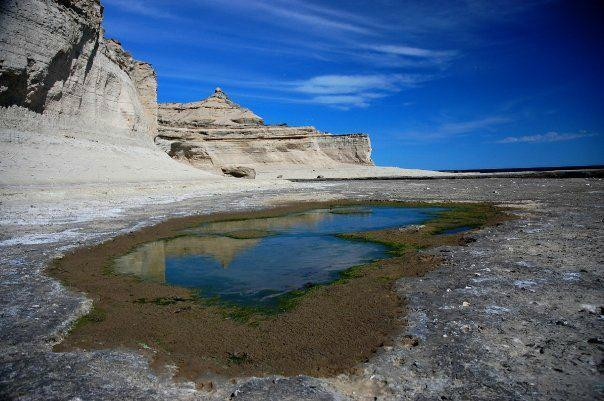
pixel 342 91
pixel 368 52
pixel 338 14
pixel 455 128
pixel 144 8
pixel 345 37
pixel 411 51
pixel 463 127
pixel 342 101
pixel 300 13
pixel 428 18
pixel 346 84
pixel 354 90
pixel 551 136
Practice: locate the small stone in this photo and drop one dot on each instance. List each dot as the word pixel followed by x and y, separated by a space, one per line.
pixel 240 172
pixel 410 341
pixel 465 304
pixel 589 308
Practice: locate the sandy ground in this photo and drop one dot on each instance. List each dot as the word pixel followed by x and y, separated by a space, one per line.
pixel 39 159
pixel 343 171
pixel 515 315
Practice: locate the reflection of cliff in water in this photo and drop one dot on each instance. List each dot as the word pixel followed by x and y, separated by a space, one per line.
pixel 148 261
pixel 306 219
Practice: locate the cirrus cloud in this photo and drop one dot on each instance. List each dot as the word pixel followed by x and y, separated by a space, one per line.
pixel 411 51
pixel 345 91
pixel 341 84
pixel 551 136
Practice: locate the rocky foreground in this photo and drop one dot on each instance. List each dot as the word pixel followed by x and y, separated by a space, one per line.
pixel 515 315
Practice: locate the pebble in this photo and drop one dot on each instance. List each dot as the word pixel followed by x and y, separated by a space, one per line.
pixel 589 308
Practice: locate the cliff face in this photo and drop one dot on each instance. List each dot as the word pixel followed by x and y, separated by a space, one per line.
pixel 216 132
pixel 74 107
pixel 56 65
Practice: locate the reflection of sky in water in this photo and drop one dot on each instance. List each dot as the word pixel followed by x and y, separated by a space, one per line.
pixel 301 249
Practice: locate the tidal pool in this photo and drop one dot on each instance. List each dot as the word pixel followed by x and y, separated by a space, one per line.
pixel 244 265
pixel 253 262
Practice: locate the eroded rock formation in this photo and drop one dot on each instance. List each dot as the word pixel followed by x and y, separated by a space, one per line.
pixel 74 106
pixel 216 132
pixel 239 172
pixel 55 62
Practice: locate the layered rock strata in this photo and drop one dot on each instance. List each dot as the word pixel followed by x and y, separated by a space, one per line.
pixel 55 63
pixel 68 93
pixel 216 132
pixel 76 108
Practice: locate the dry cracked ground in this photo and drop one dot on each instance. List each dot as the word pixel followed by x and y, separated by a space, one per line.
pixel 516 315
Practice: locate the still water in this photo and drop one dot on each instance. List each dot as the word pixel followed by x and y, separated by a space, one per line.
pixel 251 262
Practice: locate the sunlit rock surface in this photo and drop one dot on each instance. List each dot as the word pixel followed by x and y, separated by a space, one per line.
pixel 217 132
pixel 56 64
pixel 74 106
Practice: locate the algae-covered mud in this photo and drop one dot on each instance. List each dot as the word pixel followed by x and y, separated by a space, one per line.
pixel 302 289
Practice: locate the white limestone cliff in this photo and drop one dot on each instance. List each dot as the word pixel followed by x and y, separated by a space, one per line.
pixel 74 106
pixel 216 132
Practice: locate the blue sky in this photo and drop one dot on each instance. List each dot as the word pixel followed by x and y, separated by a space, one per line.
pixel 436 84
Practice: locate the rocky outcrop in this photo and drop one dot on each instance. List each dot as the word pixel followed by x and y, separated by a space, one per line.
pixel 75 107
pixel 240 172
pixel 215 111
pixel 68 93
pixel 56 64
pixel 216 132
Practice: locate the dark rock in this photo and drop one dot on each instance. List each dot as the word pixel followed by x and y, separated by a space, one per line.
pixel 240 172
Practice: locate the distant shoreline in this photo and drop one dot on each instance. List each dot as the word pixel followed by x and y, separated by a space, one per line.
pixel 515 173
pixel 521 169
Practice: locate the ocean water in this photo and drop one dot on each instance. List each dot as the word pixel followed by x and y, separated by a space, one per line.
pixel 252 262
